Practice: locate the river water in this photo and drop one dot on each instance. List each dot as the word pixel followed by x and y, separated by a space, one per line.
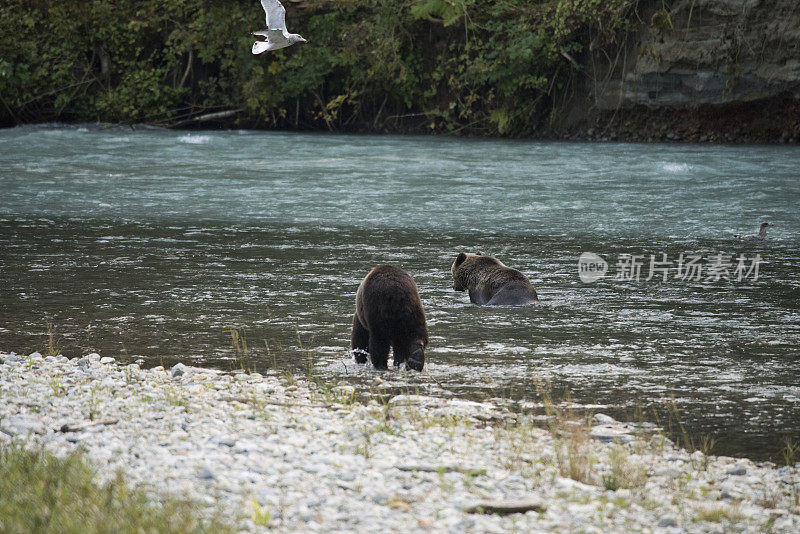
pixel 154 244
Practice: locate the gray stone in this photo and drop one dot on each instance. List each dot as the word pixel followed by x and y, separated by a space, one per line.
pixel 34 356
pixel 736 470
pixel 227 441
pixel 602 419
pixel 344 391
pixel 378 497
pixel 669 472
pixel 21 426
pixel 465 525
pixel 205 474
pixel 569 484
pixel 346 476
pixel 107 359
pixel 12 359
pixel 611 433
pixel 178 370
pixel 667 521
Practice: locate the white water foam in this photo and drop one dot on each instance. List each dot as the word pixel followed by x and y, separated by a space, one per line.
pixel 676 168
pixel 195 139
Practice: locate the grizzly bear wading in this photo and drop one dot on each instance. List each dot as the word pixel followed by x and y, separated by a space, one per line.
pixel 389 314
pixel 490 282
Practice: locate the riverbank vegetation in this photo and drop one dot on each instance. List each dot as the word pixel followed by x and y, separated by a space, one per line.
pixel 487 67
pixel 40 492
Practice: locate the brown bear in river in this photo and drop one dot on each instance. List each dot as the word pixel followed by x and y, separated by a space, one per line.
pixel 490 282
pixel 389 313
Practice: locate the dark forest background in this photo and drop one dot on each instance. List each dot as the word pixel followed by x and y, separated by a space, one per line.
pixel 500 67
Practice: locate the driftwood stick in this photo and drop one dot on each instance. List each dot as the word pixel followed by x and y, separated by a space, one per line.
pixel 517 506
pixel 443 469
pixel 207 117
pixel 77 427
pixel 254 401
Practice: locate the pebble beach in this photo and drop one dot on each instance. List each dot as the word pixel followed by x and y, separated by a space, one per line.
pixel 291 455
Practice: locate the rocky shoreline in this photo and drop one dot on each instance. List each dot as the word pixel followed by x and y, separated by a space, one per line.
pixel 772 121
pixel 296 455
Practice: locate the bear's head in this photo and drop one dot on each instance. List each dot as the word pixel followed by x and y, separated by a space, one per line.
pixel 459 272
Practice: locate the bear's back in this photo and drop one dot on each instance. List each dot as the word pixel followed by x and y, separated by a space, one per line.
pixel 389 293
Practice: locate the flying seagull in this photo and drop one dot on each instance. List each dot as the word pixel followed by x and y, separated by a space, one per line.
pixel 760 236
pixel 277 36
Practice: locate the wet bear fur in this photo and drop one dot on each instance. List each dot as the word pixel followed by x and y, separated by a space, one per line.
pixel 490 282
pixel 388 314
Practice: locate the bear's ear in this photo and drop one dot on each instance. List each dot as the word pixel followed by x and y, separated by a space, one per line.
pixel 460 259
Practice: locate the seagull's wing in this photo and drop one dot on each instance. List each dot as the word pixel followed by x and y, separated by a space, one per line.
pixel 260 46
pixel 277 38
pixel 274 41
pixel 276 15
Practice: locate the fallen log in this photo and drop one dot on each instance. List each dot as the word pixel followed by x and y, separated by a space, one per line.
pixel 77 427
pixel 206 117
pixel 515 506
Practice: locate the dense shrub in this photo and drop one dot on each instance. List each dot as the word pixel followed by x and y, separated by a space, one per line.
pixel 479 66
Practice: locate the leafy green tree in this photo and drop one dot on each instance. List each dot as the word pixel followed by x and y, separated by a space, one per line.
pixel 496 67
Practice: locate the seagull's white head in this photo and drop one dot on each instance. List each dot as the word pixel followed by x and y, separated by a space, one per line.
pixel 295 38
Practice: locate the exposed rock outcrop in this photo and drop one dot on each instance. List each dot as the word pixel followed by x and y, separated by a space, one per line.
pixel 710 52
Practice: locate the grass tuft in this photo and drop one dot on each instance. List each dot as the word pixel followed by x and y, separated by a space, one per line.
pixel 790 451
pixel 52 348
pixel 717 514
pixel 42 493
pixel 624 473
pixel 677 430
pixel 260 515
pixel 56 385
pixel 571 435
pixel 240 350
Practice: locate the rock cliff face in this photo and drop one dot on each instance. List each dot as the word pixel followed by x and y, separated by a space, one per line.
pixel 709 52
pixel 699 71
